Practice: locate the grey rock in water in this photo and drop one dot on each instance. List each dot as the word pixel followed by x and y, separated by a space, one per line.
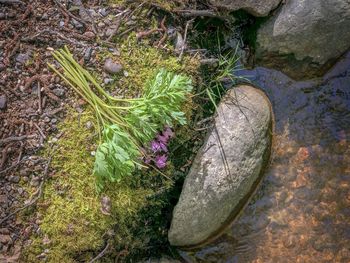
pixel 226 169
pixel 254 7
pixel 112 67
pixel 305 38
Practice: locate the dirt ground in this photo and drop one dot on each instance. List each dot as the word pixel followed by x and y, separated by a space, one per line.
pixel 33 99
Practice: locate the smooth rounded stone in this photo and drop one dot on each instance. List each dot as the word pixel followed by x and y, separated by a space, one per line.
pixel 112 67
pixel 226 170
pixel 253 7
pixel 305 38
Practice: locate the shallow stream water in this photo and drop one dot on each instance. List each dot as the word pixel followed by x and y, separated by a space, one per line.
pixel 301 211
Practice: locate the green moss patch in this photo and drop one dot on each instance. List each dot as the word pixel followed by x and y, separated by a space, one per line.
pixel 74 226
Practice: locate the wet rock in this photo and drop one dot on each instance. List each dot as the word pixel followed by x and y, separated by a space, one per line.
pixel 254 7
pixel 3 102
pixel 226 169
pixel 302 40
pixel 112 67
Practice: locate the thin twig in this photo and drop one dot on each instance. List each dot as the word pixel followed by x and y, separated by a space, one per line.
pixel 195 13
pixel 185 37
pixel 11 2
pixel 101 254
pixel 16 138
pixel 39 99
pixel 40 130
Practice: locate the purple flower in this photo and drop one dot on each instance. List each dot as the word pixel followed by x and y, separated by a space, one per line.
pixel 160 161
pixel 163 139
pixel 168 132
pixel 155 146
pixel 158 146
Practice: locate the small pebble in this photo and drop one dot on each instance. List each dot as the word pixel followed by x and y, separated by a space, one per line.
pixel 107 81
pixel 45 16
pixel 14 179
pixel 103 11
pixel 101 24
pixel 61 23
pixel 112 67
pixel 22 58
pixel 88 125
pixel 87 54
pixel 59 92
pixel 89 35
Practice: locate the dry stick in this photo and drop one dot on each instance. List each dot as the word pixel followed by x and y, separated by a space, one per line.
pixel 185 37
pixel 101 254
pixel 143 34
pixel 37 195
pixel 39 99
pixel 195 13
pixel 4 155
pixel 40 131
pixel 165 35
pixel 11 2
pixel 16 138
pixel 20 152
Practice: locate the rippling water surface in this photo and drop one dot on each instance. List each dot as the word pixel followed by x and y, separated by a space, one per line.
pixel 301 212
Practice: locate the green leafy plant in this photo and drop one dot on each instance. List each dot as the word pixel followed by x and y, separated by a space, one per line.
pixel 125 125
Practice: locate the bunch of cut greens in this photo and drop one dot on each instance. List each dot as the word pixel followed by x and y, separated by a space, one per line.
pixel 126 124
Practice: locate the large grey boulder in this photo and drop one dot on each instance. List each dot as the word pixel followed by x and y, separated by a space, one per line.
pixel 226 169
pixel 305 38
pixel 254 7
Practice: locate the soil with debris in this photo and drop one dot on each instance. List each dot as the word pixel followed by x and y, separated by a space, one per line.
pixel 32 99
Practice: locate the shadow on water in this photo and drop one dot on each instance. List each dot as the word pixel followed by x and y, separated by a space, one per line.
pixel 301 213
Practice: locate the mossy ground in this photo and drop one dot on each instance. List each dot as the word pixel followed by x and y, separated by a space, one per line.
pixel 72 225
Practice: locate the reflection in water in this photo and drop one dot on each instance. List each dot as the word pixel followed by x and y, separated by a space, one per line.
pixel 301 212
